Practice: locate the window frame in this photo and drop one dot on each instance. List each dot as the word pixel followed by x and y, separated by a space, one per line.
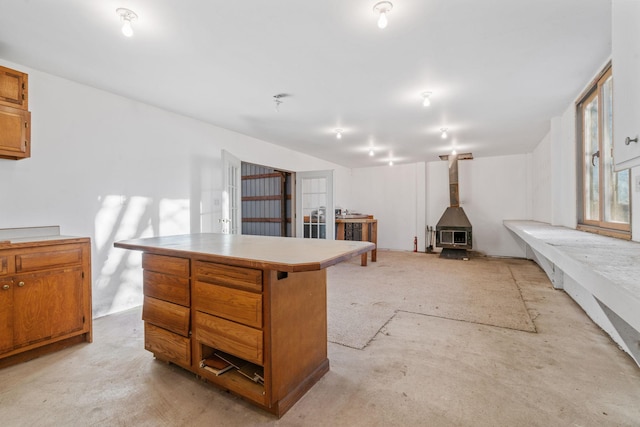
pixel 599 226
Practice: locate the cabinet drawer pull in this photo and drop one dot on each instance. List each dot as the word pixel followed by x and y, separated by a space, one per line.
pixel 628 140
pixel 5 287
pixel 20 284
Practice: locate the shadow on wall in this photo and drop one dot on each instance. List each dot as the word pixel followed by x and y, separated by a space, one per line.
pixel 117 285
pixel 117 273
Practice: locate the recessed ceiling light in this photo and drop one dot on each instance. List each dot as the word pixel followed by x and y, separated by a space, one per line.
pixel 127 16
pixel 338 133
pixel 371 152
pixel 443 135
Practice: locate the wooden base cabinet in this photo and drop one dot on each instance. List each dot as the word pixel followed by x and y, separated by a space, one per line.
pixel 259 302
pixel 45 297
pixel 276 322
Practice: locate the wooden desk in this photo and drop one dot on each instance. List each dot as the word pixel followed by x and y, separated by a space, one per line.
pixel 366 221
pixel 261 299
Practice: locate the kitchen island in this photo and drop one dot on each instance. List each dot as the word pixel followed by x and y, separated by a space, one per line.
pixel 258 302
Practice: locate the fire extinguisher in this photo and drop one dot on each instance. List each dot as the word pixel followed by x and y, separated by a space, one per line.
pixel 415 244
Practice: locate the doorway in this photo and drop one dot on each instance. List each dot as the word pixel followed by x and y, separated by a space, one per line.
pixel 314 205
pixel 266 195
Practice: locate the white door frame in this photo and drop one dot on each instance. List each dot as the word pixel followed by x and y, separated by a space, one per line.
pixel 302 206
pixel 231 194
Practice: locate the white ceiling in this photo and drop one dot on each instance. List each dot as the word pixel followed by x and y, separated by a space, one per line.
pixel 498 69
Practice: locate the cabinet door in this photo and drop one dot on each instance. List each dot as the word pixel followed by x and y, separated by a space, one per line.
pixel 626 83
pixel 13 88
pixel 15 133
pixel 47 305
pixel 31 310
pixel 6 314
pixel 66 297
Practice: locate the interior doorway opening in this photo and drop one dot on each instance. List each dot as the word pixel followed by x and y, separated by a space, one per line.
pixel 267 196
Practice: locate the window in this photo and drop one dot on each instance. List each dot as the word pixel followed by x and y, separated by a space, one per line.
pixel 605 201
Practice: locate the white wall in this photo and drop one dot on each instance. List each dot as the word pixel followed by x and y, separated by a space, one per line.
pixel 541 181
pixel 395 195
pixel 553 174
pixel 405 198
pixel 110 168
pixel 635 205
pixel 492 189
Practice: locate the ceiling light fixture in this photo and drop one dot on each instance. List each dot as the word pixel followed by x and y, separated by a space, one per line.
pixel 338 133
pixel 127 16
pixel 371 152
pixel 454 152
pixel 443 135
pixel 382 7
pixel 390 162
pixel 426 99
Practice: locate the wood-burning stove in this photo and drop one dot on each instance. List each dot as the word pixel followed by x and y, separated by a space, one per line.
pixel 453 231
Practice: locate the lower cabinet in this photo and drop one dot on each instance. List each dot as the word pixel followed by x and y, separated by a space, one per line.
pixel 45 295
pixel 267 328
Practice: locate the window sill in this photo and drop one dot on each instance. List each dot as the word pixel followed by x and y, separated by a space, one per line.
pixel 618 234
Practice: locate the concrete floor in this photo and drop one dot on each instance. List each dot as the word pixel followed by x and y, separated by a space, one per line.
pixel 419 370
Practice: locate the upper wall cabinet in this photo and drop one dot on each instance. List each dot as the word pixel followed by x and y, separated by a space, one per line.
pixel 14 87
pixel 15 119
pixel 626 83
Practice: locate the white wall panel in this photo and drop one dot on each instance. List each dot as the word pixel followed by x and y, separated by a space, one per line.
pixel 492 189
pixel 112 168
pixel 395 196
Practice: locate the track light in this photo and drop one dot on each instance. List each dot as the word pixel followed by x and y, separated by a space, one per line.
pixel 382 7
pixel 127 16
pixel 443 135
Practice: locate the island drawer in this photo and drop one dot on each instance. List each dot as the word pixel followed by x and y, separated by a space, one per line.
pixel 230 303
pixel 4 268
pixel 230 337
pixel 239 277
pixel 166 264
pixel 166 287
pixel 166 345
pixel 166 315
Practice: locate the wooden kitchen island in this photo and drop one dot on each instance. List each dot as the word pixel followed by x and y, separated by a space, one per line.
pixel 261 300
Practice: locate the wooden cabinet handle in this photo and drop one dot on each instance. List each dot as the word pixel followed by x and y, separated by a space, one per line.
pixel 6 287
pixel 20 284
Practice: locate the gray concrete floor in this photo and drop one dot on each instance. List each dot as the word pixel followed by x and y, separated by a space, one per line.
pixel 420 369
